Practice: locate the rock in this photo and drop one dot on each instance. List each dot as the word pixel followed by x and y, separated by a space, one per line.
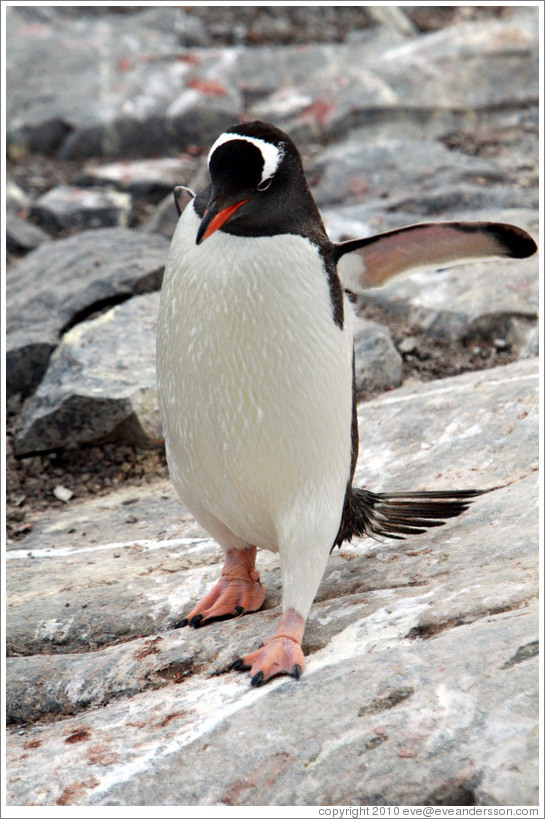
pixel 446 634
pixel 479 45
pixel 140 103
pixel 67 206
pixel 378 363
pixel 62 282
pixel 402 427
pixel 149 178
pixel 17 199
pixel 146 97
pixel 63 494
pixel 23 235
pixel 191 31
pixel 389 77
pixel 164 218
pixel 352 171
pixel 392 16
pixel 100 384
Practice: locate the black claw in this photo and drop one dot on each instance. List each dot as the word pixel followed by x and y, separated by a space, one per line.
pixel 195 621
pixel 257 679
pixel 296 671
pixel 237 610
pixel 181 623
pixel 236 664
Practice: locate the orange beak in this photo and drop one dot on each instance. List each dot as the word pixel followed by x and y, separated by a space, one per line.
pixel 211 220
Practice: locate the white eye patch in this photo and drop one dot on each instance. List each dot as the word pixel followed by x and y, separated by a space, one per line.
pixel 272 154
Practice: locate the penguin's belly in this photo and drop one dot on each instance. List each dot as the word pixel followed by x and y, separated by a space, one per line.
pixel 255 383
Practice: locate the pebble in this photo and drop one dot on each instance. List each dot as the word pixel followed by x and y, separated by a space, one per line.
pixel 63 494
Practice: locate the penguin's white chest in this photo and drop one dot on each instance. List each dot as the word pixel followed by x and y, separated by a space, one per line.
pixel 255 383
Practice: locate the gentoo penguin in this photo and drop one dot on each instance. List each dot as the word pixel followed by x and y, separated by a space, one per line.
pixel 255 371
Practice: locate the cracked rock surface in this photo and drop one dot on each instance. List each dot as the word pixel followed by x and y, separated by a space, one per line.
pixel 421 685
pixel 425 651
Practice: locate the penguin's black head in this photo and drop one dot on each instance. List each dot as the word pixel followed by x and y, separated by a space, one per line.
pixel 258 187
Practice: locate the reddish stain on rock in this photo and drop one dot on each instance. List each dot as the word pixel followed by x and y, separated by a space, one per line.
pixel 101 755
pixel 406 753
pixel 124 64
pixel 210 88
pixel 149 647
pixel 256 783
pixel 320 111
pixel 78 736
pixel 77 789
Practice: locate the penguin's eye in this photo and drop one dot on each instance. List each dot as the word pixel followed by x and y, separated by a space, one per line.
pixel 265 184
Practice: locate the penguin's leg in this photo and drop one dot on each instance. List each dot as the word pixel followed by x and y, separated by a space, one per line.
pixel 238 590
pixel 302 566
pixel 281 654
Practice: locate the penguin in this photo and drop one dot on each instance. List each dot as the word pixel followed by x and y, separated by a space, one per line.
pixel 255 377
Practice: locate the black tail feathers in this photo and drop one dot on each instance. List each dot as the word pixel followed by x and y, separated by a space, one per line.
pixel 398 514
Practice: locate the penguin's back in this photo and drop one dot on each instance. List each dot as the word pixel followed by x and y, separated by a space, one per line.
pixel 255 382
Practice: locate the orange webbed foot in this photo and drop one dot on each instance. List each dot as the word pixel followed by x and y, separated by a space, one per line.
pixel 282 654
pixel 238 590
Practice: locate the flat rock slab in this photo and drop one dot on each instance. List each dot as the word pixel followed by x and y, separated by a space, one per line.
pixel 152 178
pixel 67 207
pixel 355 170
pixel 328 89
pixel 447 714
pixel 62 282
pixel 138 94
pixel 151 95
pixel 22 235
pixel 440 637
pixel 100 384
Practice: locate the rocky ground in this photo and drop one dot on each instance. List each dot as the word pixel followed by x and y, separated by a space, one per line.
pixel 401 116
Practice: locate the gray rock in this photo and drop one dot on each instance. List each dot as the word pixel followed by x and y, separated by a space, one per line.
pixel 378 364
pixel 386 171
pixel 67 206
pixel 23 235
pixel 135 104
pixel 136 94
pixel 422 655
pixel 100 384
pixel 17 200
pixel 150 178
pixel 332 89
pixel 191 30
pixel 440 638
pixel 479 46
pixel 62 282
pixel 164 218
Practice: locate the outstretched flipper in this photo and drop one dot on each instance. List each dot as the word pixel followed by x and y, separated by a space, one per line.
pixel 364 263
